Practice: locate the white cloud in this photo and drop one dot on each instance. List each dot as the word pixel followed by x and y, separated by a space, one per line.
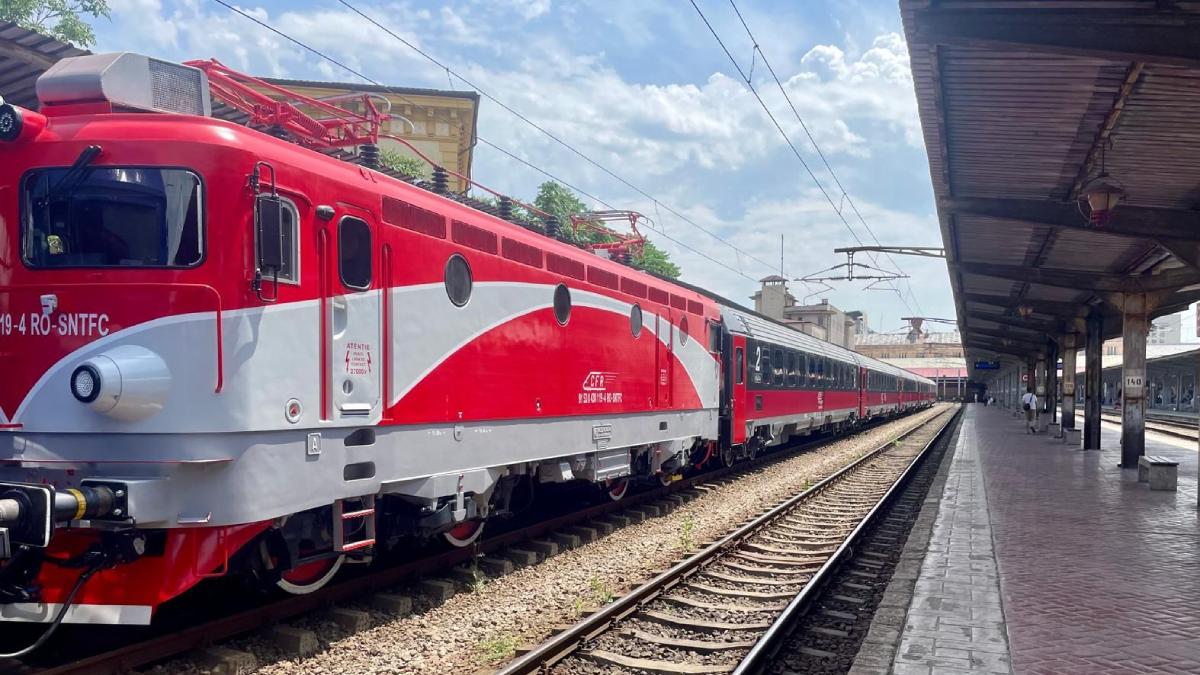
pixel 694 142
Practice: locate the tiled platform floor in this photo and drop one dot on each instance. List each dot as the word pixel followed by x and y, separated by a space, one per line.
pixel 1097 574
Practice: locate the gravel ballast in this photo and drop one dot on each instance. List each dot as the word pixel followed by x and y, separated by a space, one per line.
pixel 478 629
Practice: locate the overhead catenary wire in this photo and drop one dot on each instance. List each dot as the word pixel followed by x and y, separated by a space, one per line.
pixel 782 132
pixel 758 52
pixel 483 140
pixel 552 136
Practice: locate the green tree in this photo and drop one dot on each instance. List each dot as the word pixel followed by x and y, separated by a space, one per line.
pixel 654 259
pixel 62 19
pixel 557 199
pixel 398 161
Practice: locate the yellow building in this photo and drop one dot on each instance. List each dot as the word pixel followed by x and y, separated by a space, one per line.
pixel 441 124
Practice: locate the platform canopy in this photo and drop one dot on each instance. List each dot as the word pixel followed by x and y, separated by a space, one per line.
pixel 1023 104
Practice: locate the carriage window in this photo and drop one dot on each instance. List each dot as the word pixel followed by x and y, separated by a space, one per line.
pixel 739 365
pixel 112 217
pixel 762 374
pixel 778 367
pixel 354 253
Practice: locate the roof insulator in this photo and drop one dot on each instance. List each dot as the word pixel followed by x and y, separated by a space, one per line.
pixel 369 153
pixel 441 180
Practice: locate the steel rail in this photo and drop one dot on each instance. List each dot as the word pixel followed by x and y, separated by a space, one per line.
pixel 164 646
pixel 764 650
pixel 1168 427
pixel 569 641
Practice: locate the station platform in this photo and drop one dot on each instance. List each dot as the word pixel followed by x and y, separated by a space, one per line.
pixel 1045 558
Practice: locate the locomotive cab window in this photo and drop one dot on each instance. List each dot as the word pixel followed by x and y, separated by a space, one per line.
pixel 739 365
pixel 111 217
pixel 354 253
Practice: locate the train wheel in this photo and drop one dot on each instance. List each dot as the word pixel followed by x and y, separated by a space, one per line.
pixel 464 534
pixel 616 488
pixel 311 576
pixel 727 456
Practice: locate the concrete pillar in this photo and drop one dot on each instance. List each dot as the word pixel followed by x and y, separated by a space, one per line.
pixel 1135 327
pixel 1052 382
pixel 1092 380
pixel 1039 388
pixel 1068 385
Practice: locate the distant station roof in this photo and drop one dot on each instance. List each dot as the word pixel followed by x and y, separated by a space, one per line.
pixel 933 368
pixel 1171 355
pixel 25 55
pixel 944 338
pixel 1022 104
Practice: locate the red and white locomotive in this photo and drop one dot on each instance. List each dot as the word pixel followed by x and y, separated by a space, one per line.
pixel 225 353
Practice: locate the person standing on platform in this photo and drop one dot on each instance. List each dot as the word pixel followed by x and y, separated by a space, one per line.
pixel 1029 404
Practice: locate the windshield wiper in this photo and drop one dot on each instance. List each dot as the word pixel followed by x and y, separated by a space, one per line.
pixel 75 174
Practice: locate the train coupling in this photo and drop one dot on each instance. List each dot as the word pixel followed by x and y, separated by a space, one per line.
pixel 29 512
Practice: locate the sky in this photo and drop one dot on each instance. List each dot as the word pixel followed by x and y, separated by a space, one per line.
pixel 645 90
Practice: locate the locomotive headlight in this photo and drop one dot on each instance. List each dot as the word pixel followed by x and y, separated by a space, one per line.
pixel 128 383
pixel 85 383
pixel 10 122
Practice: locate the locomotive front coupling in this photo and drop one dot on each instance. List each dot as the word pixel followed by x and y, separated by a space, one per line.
pixel 29 512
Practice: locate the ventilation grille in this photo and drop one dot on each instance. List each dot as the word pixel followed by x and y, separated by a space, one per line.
pixel 632 287
pixel 695 307
pixel 602 277
pixel 564 266
pixel 659 295
pixel 475 237
pixel 522 253
pixel 174 88
pixel 413 218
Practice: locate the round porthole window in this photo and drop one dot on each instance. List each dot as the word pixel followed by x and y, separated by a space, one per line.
pixel 562 304
pixel 458 280
pixel 683 336
pixel 635 320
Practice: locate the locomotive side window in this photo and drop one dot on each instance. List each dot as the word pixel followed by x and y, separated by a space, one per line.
pixel 562 304
pixel 289 270
pixel 112 217
pixel 354 253
pixel 739 364
pixel 683 331
pixel 635 320
pixel 458 280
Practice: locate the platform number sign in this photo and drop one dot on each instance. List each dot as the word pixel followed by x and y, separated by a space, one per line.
pixel 1134 385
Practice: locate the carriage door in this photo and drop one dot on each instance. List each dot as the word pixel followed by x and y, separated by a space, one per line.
pixel 665 331
pixel 354 320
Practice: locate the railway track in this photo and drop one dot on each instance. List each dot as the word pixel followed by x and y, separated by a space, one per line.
pixel 164 644
pixel 721 609
pixel 1168 427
